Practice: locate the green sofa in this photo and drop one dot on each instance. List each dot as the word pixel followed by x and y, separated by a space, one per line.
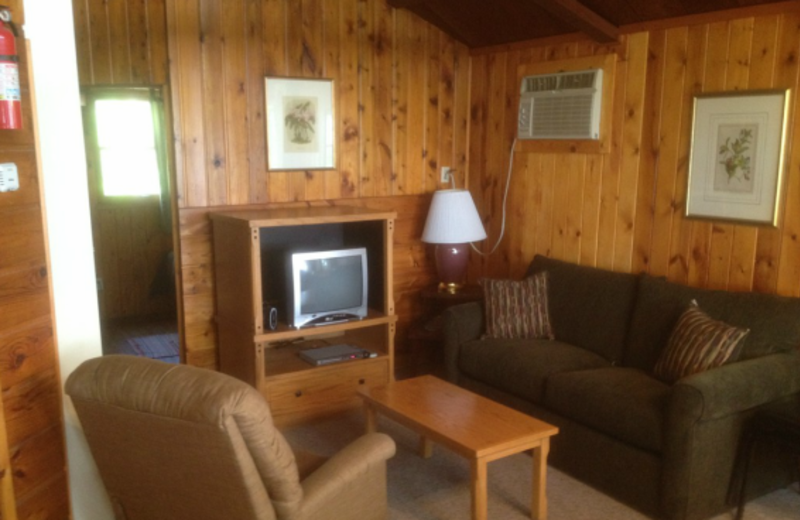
pixel 669 451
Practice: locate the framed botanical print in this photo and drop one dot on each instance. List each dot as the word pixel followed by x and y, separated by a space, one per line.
pixel 300 124
pixel 737 156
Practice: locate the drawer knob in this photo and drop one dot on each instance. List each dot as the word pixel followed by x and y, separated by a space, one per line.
pixel 362 381
pixel 299 393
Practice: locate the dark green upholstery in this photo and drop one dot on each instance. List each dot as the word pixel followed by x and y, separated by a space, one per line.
pixel 774 321
pixel 589 308
pixel 667 450
pixel 522 367
pixel 601 461
pixel 624 403
pixel 704 422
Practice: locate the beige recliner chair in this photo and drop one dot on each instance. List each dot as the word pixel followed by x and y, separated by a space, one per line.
pixel 176 442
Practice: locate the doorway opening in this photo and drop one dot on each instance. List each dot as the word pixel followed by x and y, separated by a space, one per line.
pixel 132 220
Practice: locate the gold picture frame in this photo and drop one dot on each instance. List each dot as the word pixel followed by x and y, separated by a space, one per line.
pixel 300 124
pixel 737 154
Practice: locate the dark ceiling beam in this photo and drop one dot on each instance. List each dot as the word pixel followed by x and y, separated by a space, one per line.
pixel 403 4
pixel 575 14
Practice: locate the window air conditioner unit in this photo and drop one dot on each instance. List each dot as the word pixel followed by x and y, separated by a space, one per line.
pixel 565 105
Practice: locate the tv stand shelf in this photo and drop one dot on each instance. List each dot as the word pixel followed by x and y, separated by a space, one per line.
pixel 284 332
pixel 250 251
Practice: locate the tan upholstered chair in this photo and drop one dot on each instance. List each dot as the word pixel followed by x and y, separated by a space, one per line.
pixel 176 442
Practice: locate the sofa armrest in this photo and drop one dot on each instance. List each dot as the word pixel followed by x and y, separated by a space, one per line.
pixel 354 479
pixel 462 323
pixel 737 387
pixel 705 418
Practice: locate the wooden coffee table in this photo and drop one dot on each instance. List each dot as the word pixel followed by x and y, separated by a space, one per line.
pixel 475 427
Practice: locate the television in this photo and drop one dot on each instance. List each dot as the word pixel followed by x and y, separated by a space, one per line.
pixel 327 287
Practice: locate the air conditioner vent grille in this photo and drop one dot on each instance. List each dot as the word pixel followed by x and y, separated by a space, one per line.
pixel 562 117
pixel 565 105
pixel 560 81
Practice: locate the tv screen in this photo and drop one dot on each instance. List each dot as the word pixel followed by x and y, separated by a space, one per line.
pixel 328 286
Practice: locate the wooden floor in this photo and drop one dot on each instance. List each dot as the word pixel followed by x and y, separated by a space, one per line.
pixel 154 337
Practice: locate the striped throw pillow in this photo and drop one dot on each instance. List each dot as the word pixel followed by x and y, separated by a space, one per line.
pixel 517 309
pixel 698 343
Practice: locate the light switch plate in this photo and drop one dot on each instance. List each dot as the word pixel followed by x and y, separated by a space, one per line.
pixel 9 179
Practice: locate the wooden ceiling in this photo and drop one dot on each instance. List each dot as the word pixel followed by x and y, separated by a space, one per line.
pixel 482 23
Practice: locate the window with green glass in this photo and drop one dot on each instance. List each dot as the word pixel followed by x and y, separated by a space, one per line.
pixel 126 145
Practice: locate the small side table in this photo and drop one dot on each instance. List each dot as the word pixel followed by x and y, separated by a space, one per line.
pixel 778 424
pixel 425 337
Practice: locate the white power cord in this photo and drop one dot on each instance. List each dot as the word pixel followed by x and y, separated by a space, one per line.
pixel 505 199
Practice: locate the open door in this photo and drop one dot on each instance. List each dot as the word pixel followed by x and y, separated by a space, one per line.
pixel 132 220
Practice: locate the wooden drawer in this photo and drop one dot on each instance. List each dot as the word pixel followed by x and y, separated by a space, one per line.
pixel 303 396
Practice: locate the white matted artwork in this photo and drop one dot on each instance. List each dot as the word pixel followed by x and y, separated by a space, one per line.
pixel 736 162
pixel 300 133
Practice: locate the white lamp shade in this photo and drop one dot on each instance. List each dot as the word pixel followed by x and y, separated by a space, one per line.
pixel 453 219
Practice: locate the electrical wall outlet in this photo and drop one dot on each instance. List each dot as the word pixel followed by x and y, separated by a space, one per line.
pixel 9 179
pixel 445 174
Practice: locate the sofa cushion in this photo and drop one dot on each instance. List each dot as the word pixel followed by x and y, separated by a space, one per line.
pixel 774 321
pixel 698 343
pixel 589 307
pixel 517 308
pixel 520 367
pixel 624 403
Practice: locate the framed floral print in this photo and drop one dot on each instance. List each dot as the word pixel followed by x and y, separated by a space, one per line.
pixel 737 156
pixel 300 124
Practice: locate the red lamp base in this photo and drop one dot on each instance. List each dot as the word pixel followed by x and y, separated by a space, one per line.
pixel 451 265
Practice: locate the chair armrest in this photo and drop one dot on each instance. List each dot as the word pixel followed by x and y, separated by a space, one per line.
pixel 737 387
pixel 462 323
pixel 348 472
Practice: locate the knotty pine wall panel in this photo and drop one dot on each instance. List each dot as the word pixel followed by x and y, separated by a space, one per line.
pixel 624 210
pixel 32 456
pixel 402 99
pixel 124 43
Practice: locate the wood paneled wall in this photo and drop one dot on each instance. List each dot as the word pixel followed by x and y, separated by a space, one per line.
pixel 624 210
pixel 401 98
pixel 124 43
pixel 31 395
pixel 401 89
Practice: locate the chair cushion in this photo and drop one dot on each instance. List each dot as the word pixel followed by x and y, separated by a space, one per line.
pixel 624 403
pixel 698 343
pixel 517 309
pixel 774 321
pixel 589 308
pixel 520 367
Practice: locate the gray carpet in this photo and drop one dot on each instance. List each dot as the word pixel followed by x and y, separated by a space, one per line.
pixel 438 488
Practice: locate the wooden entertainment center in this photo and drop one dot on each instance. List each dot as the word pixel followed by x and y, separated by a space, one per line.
pixel 250 251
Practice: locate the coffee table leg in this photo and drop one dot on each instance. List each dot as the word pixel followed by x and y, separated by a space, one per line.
pixel 539 491
pixel 372 418
pixel 479 493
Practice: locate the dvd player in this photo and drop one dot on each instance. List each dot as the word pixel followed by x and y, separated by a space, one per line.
pixel 334 354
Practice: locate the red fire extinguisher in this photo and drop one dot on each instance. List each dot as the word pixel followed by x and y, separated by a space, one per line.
pixel 10 106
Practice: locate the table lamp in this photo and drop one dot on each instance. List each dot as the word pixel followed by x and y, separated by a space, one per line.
pixel 453 222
